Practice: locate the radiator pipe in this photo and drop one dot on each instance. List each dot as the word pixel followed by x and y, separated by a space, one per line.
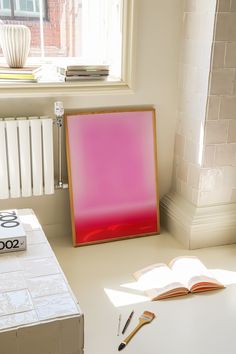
pixel 59 113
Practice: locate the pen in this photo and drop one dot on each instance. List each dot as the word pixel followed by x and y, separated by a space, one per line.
pixel 127 322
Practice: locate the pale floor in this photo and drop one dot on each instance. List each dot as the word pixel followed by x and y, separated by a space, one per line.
pixel 193 324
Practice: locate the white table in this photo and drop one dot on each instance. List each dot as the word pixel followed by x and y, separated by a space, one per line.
pixel 38 311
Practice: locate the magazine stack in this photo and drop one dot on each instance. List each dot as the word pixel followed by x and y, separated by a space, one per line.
pixel 27 74
pixel 84 72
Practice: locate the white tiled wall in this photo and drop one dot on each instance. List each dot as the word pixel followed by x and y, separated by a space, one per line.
pixel 220 137
pixel 194 79
pixel 205 149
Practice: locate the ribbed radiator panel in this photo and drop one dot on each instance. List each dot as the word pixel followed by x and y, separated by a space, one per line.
pixel 48 156
pixel 36 151
pixel 4 185
pixel 26 157
pixel 13 158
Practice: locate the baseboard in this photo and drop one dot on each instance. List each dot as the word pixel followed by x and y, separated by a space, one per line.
pixel 198 227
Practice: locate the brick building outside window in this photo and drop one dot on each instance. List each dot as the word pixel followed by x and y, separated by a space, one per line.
pixel 61 24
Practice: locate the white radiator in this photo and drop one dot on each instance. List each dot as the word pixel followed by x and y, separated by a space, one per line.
pixel 26 157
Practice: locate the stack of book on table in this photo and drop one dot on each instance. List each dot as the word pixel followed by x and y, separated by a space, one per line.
pixel 84 72
pixel 26 74
pixel 12 233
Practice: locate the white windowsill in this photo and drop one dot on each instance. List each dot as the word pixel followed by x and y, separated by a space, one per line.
pixel 52 84
pixel 62 88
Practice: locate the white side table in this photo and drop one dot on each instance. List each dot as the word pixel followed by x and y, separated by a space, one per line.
pixel 38 311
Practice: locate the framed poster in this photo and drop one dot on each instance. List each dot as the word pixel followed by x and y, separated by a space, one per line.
pixel 112 168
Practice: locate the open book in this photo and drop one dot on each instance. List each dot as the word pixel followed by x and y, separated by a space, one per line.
pixel 183 275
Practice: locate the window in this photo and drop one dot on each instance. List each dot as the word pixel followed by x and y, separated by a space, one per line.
pixel 85 31
pixel 21 8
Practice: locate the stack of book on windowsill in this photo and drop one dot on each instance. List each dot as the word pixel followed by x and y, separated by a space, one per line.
pixel 84 72
pixel 26 74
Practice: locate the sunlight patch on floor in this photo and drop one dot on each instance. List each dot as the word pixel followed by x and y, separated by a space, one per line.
pixel 122 298
pixel 226 277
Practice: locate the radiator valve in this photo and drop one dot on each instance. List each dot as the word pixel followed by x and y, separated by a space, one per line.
pixel 59 113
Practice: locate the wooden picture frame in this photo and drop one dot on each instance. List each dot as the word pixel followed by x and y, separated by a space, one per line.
pixel 112 169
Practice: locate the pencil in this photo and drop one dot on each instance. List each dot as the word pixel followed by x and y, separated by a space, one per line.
pixel 119 322
pixel 127 322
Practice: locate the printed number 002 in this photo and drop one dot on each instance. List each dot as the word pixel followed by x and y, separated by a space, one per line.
pixel 9 244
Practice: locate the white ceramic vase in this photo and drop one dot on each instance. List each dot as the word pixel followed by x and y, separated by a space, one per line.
pixel 15 43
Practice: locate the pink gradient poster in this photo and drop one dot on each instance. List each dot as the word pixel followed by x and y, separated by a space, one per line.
pixel 112 175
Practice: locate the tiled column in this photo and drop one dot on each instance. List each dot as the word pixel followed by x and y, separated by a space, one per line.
pixel 220 133
pixel 200 209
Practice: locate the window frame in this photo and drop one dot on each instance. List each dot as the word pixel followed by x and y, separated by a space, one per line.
pixel 21 15
pixel 91 87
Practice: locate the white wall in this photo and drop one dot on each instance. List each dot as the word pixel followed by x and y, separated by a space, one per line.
pixel 158 38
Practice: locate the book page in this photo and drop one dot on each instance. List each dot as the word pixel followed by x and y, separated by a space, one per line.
pixel 158 278
pixel 190 270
